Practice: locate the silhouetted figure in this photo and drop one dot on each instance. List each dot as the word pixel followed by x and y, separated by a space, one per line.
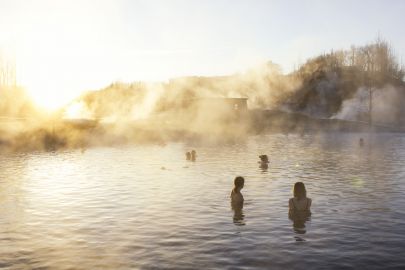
pixel 361 142
pixel 264 161
pixel 193 155
pixel 236 195
pixel 299 208
pixel 188 156
pixel 300 203
pixel 237 200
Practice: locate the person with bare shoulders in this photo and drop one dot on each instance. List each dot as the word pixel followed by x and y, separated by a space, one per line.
pixel 193 155
pixel 300 204
pixel 236 195
pixel 264 161
pixel 188 156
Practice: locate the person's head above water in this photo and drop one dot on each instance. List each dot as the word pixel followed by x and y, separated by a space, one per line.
pixel 264 158
pixel 299 190
pixel 239 182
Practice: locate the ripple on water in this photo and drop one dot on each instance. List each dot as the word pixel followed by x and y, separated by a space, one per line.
pixel 116 208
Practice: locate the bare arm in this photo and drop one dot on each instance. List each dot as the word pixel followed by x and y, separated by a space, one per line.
pixel 290 205
pixel 309 204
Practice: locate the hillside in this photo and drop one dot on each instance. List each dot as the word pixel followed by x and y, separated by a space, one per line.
pixel 336 85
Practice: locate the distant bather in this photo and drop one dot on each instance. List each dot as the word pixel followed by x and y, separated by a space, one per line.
pixel 264 161
pixel 188 156
pixel 236 195
pixel 193 155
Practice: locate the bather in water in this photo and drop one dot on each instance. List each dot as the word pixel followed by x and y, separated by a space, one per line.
pixel 237 200
pixel 264 161
pixel 299 208
pixel 236 195
pixel 193 155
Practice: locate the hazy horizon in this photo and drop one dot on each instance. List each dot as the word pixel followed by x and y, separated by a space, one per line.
pixel 63 48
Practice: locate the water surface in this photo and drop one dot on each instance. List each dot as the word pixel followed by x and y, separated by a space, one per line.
pixel 146 207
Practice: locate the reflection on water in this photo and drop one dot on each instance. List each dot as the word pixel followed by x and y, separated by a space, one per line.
pixel 116 208
pixel 238 217
pixel 264 167
pixel 299 221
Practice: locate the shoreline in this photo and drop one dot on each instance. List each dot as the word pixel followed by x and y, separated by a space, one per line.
pixel 83 133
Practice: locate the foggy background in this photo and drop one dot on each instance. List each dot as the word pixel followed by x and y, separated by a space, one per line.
pixel 362 84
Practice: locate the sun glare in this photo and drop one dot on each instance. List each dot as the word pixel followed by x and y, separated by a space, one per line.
pixel 45 98
pixel 46 75
pixel 56 54
pixel 77 110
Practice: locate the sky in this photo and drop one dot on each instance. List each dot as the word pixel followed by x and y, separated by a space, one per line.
pixel 63 47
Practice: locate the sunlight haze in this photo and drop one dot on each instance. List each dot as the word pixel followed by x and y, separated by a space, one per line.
pixel 62 48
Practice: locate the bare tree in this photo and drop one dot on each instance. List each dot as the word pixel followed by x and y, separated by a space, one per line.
pixel 7 72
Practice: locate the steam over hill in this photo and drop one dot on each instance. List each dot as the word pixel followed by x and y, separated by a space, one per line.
pixel 363 84
pixel 333 85
pixel 333 82
pixel 263 86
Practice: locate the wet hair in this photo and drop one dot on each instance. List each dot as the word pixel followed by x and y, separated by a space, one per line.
pixel 264 158
pixel 299 190
pixel 239 181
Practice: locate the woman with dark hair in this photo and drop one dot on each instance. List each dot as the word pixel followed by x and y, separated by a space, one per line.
pixel 300 204
pixel 236 195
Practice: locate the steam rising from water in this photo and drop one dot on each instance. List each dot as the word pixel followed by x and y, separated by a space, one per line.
pixel 386 108
pixel 336 86
pixel 265 87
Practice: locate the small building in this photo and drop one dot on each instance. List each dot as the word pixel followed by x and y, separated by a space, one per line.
pixel 221 108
